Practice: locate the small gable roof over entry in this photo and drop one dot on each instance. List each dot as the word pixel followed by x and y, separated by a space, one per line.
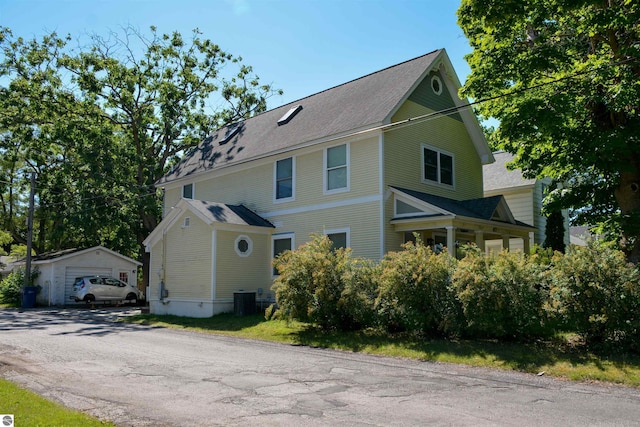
pixel 210 213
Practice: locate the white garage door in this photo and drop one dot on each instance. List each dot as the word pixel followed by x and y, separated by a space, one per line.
pixel 72 272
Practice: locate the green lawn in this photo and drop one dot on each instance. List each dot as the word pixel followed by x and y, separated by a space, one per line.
pixel 558 357
pixel 29 409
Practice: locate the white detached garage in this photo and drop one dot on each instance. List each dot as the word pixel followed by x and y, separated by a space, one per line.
pixel 58 271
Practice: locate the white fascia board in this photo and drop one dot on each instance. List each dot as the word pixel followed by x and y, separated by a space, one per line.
pixel 239 228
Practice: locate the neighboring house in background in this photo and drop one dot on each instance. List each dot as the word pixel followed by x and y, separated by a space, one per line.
pixel 580 235
pixel 524 197
pixel 58 271
pixel 367 163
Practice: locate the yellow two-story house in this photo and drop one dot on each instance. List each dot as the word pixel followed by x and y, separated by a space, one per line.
pixel 368 163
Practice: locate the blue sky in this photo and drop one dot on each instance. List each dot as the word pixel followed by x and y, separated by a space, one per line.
pixel 299 46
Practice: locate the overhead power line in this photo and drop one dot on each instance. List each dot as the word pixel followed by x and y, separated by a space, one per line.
pixel 412 120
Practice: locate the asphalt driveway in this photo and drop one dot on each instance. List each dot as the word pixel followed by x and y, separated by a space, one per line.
pixel 148 376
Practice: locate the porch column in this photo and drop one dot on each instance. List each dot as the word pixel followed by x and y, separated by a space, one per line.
pixel 527 244
pixel 505 241
pixel 451 240
pixel 480 240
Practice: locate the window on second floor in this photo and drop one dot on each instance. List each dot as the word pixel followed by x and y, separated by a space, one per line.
pixel 336 160
pixel 187 191
pixel 437 166
pixel 284 179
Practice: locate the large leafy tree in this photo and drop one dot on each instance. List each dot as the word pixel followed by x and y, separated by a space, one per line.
pixel 107 120
pixel 563 79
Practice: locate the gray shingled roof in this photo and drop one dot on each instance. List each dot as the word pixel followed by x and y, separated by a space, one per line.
pixel 229 214
pixel 46 256
pixel 482 208
pixel 361 103
pixel 497 177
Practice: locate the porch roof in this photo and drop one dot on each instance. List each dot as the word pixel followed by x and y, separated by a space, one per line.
pixel 484 208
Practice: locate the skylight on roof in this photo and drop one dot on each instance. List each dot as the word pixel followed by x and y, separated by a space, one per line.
pixel 289 115
pixel 230 133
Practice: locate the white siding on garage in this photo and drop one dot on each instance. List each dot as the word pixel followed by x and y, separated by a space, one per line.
pixel 71 273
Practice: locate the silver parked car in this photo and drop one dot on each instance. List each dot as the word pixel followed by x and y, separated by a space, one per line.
pixel 103 288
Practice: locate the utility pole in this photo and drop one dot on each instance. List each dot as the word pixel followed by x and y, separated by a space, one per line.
pixel 27 273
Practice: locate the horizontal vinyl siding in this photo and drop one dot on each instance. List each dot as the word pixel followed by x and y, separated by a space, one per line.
pixel 427 97
pixel 188 260
pixel 403 159
pixel 362 220
pixel 250 187
pixel 254 186
pixel 393 240
pixel 521 206
pixel 308 180
pixel 234 272
pixel 540 221
pixel 171 198
pixel 155 270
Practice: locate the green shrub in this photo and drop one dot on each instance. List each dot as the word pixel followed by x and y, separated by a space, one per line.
pixel 322 285
pixel 596 294
pixel 502 295
pixel 11 286
pixel 359 295
pixel 415 293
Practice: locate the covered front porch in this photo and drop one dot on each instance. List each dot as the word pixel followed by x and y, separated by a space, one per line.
pixel 446 223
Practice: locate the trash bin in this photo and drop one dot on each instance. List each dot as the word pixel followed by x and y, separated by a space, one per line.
pixel 29 296
pixel 244 303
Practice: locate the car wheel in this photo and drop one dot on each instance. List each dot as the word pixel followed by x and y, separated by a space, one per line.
pixel 132 298
pixel 89 299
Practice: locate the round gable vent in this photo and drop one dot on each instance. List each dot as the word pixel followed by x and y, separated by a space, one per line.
pixel 436 85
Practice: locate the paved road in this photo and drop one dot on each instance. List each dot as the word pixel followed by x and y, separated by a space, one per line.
pixel 146 376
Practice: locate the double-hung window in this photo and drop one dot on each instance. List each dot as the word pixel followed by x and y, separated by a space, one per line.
pixel 437 166
pixel 281 243
pixel 187 191
pixel 284 179
pixel 336 162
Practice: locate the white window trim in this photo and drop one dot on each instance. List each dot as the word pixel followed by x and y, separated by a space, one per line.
pixel 193 191
pixel 346 230
pixel 281 236
pixel 293 181
pixel 249 249
pixel 453 167
pixel 325 181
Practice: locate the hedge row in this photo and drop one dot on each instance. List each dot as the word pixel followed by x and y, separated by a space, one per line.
pixel 590 290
